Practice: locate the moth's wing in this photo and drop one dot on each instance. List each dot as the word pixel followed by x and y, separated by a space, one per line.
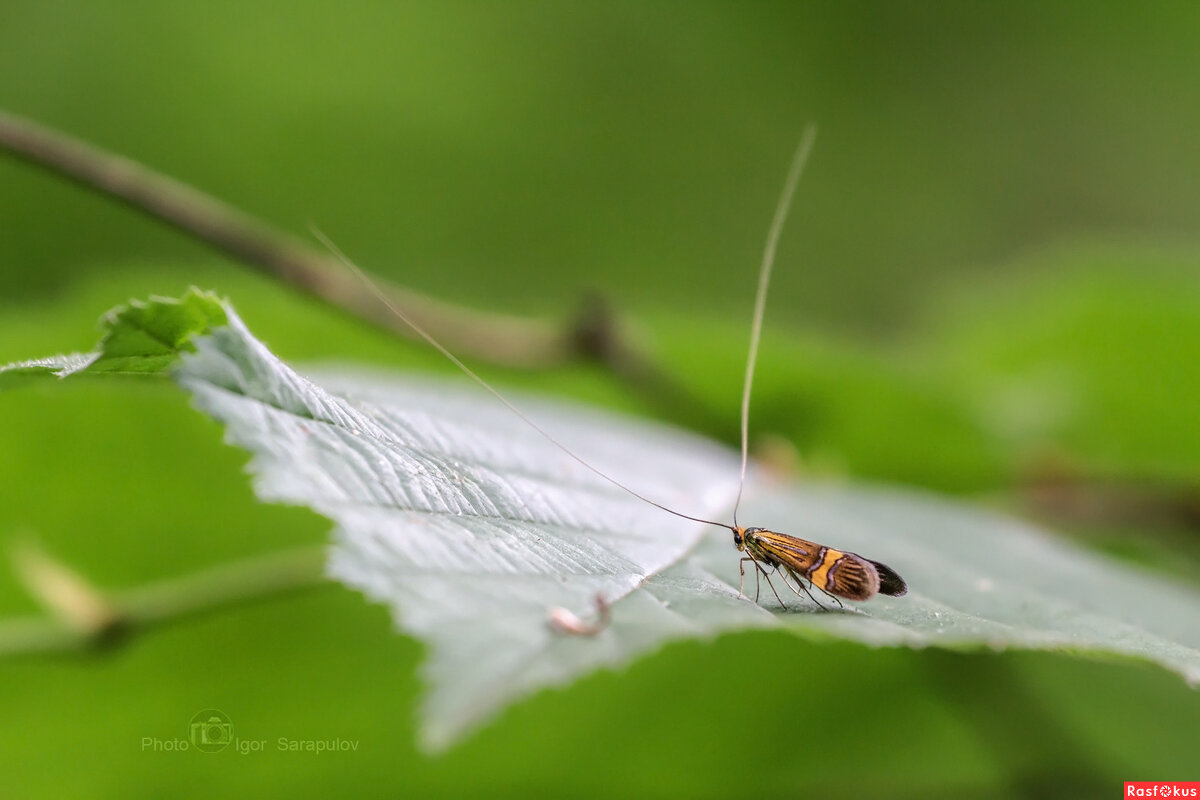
pixel 890 581
pixel 852 577
pixel 791 551
pixel 848 575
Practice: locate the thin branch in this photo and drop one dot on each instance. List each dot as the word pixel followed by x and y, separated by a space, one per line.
pixel 592 335
pixel 133 611
pixel 497 338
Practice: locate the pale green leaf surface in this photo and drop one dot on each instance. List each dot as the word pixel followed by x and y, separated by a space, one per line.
pixel 978 579
pixel 471 527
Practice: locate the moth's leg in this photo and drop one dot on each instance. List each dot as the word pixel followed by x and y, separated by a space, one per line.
pixel 834 598
pixel 770 583
pixel 742 577
pixel 831 596
pixel 759 572
pixel 786 583
pixel 802 582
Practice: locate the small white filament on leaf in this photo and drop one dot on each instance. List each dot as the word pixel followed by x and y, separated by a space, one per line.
pixel 565 621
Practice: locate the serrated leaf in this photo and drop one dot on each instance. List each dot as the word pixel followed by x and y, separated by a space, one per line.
pixel 471 527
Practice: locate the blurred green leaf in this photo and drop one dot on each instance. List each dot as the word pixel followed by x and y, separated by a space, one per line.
pixel 1084 355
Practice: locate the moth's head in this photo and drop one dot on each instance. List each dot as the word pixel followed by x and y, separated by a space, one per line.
pixel 739 537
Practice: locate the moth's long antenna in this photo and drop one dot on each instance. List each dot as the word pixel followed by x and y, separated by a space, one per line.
pixel 387 301
pixel 760 300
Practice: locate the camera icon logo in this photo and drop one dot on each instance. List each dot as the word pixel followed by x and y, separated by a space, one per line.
pixel 210 731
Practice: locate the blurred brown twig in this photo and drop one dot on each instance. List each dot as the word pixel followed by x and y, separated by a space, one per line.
pixel 83 618
pixel 592 336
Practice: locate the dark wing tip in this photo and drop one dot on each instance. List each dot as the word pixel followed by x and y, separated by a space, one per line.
pixel 890 582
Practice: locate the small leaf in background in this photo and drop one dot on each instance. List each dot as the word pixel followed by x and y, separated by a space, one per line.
pixel 141 337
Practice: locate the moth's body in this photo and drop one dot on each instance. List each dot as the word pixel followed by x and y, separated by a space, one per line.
pixel 835 572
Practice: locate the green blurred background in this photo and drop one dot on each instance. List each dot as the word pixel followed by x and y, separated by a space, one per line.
pixel 989 287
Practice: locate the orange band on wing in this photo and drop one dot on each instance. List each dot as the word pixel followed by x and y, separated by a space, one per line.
pixel 821 576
